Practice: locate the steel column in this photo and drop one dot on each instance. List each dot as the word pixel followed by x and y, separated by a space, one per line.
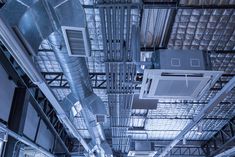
pixel 161 5
pixel 17 118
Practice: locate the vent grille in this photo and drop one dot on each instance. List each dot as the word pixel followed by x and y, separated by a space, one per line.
pixel 142 149
pixel 76 41
pixel 176 87
pixel 100 118
pixel 142 153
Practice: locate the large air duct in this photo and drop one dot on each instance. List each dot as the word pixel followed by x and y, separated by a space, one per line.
pixel 43 20
pixel 76 72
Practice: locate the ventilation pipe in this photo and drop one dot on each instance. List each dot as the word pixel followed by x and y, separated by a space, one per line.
pixel 17 50
pixel 76 72
pixel 43 20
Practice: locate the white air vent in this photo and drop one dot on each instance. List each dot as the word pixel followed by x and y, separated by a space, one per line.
pixel 76 41
pixel 177 84
pixel 142 149
pixel 142 153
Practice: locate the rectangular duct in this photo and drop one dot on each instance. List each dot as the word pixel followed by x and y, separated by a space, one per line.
pixel 76 41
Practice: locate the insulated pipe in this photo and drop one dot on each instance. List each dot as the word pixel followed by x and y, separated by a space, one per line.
pixel 25 140
pixel 13 44
pixel 220 96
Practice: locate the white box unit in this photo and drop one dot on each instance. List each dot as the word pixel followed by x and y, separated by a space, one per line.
pixel 142 153
pixel 142 149
pixel 76 41
pixel 177 84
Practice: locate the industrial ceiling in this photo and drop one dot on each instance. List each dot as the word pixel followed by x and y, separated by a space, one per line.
pixel 207 25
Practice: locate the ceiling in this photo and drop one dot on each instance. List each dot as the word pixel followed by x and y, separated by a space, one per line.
pixel 204 29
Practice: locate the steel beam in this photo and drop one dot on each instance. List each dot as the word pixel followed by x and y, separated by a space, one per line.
pixel 182 151
pixel 159 5
pixel 174 5
pixel 221 140
pixel 48 115
pixel 205 111
pixel 17 119
pixel 151 49
pixel 4 61
pixel 58 80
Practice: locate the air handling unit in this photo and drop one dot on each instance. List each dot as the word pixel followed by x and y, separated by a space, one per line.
pixel 178 74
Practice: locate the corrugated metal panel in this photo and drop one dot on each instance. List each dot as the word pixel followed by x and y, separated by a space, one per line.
pixel 153 27
pixel 175 110
pixel 166 124
pixel 192 135
pixel 224 62
pixel 137 121
pixel 209 29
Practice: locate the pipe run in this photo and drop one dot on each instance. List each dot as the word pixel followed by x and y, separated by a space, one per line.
pixel 25 140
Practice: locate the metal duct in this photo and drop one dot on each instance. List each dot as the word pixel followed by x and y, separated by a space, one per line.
pixel 76 72
pixel 42 20
pixel 17 50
